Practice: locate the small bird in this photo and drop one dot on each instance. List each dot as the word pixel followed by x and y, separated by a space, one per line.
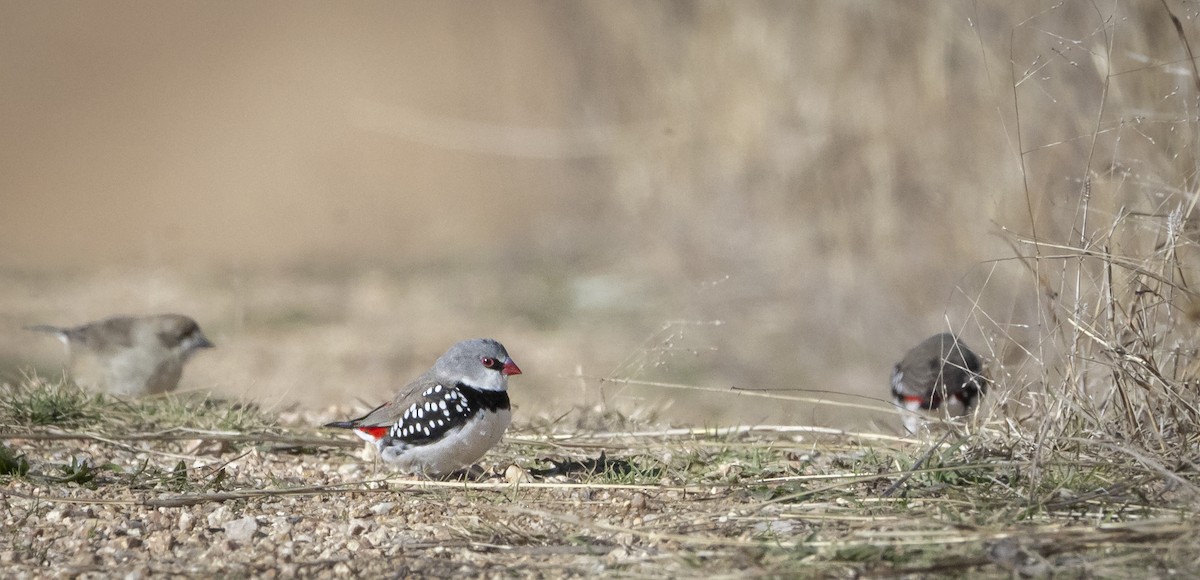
pixel 939 370
pixel 447 418
pixel 132 356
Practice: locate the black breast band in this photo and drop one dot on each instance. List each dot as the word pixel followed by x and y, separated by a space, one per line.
pixel 485 400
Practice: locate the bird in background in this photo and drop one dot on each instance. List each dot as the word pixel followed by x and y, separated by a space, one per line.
pixel 447 418
pixel 941 372
pixel 128 355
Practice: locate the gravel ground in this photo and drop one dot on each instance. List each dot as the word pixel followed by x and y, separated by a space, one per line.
pixel 205 507
pixel 286 499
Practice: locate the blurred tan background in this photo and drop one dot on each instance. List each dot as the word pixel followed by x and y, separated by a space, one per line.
pixel 338 192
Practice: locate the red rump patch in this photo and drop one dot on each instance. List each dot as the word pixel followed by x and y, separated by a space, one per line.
pixel 375 432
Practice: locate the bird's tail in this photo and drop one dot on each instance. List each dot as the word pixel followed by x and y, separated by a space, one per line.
pixel 371 434
pixel 46 328
pixel 62 334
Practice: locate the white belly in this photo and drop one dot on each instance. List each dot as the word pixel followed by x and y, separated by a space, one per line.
pixel 458 449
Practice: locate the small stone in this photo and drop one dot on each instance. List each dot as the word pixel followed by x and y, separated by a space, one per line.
pixel 384 508
pixel 356 527
pixel 514 474
pixel 380 537
pixel 241 530
pixel 638 502
pixel 128 542
pixel 369 452
pixel 160 543
pixel 776 526
pixel 616 556
pixel 218 517
pixel 186 522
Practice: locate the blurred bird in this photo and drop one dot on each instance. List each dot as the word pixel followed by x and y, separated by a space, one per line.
pixel 131 356
pixel 447 418
pixel 940 370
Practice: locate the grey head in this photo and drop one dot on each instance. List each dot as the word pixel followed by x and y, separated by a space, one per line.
pixel 178 333
pixel 482 363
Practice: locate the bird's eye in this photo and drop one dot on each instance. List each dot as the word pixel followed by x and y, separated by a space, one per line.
pixel 488 362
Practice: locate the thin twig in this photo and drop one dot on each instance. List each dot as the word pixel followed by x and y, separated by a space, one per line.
pixel 179 435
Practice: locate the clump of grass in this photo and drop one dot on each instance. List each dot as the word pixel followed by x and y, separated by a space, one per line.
pixel 11 463
pixel 78 471
pixel 35 401
pixel 193 411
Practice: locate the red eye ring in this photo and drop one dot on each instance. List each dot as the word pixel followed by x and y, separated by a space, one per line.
pixel 488 362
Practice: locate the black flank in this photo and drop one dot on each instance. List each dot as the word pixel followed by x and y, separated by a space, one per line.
pixel 475 400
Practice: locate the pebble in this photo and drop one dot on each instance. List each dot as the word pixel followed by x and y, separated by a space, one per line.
pixel 514 474
pixel 241 530
pixel 616 556
pixel 638 502
pixel 128 543
pixel 357 526
pixel 218 517
pixel 160 542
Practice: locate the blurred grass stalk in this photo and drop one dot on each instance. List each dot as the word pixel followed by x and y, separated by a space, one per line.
pixel 1112 364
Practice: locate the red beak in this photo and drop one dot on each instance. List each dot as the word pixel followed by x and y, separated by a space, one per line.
pixel 510 368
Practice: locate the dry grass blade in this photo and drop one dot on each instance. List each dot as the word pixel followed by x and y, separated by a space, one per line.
pixel 880 408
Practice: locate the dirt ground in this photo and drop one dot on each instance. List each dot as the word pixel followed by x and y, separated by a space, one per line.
pixel 277 498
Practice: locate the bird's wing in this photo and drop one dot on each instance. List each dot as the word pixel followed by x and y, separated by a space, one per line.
pixel 108 335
